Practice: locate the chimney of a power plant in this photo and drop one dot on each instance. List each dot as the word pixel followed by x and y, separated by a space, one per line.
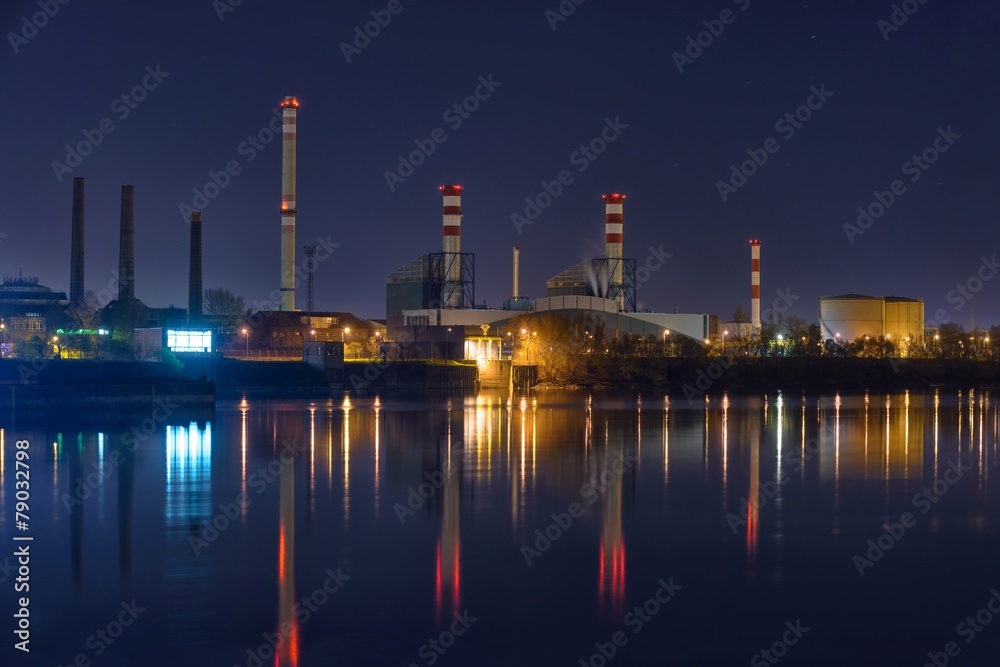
pixel 126 247
pixel 195 293
pixel 755 286
pixel 310 267
pixel 517 273
pixel 289 115
pixel 76 285
pixel 452 244
pixel 614 223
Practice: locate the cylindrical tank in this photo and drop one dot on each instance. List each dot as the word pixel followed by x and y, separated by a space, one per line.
pixel 850 316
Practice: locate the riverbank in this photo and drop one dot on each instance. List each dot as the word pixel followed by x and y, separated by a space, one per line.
pixel 698 376
pixel 63 384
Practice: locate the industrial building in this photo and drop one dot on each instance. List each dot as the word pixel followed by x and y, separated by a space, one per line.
pixel 848 317
pixel 28 309
pixel 430 309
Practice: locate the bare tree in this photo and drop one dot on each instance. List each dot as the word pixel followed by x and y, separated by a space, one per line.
pixel 87 314
pixel 224 305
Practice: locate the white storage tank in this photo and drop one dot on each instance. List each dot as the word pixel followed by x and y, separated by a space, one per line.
pixel 851 316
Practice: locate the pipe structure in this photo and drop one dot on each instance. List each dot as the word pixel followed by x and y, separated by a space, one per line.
pixel 126 247
pixel 517 273
pixel 195 291
pixel 289 118
pixel 614 223
pixel 452 244
pixel 755 285
pixel 76 284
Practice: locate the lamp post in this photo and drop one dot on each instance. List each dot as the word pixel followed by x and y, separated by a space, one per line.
pixel 724 334
pixel 246 335
pixel 447 343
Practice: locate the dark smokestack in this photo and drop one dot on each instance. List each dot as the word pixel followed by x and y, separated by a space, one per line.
pixel 126 248
pixel 194 278
pixel 76 247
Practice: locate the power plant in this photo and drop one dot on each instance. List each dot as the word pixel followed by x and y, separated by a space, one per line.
pixel 289 119
pixel 431 300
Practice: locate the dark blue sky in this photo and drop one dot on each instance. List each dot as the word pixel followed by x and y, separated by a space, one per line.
pixel 607 60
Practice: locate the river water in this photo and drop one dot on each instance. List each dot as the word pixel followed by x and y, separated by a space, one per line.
pixel 543 528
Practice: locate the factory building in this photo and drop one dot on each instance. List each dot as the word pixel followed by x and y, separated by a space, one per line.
pixel 430 308
pixel 445 279
pixel 286 332
pixel 28 309
pixel 851 316
pixel 609 277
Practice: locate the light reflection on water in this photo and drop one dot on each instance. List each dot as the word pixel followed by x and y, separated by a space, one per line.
pixel 808 479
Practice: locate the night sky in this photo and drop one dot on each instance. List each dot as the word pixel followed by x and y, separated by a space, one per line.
pixel 607 60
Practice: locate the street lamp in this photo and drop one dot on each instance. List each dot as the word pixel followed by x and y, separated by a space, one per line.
pixel 246 334
pixel 724 334
pixel 313 333
pixel 447 343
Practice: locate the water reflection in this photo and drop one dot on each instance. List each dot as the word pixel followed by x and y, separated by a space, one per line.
pixel 187 516
pixel 287 654
pixel 832 468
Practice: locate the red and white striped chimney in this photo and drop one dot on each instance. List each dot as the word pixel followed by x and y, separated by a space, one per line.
pixel 452 244
pixel 614 223
pixel 755 285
